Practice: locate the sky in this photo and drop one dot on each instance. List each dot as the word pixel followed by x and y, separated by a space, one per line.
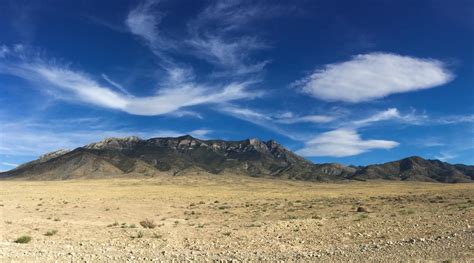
pixel 353 82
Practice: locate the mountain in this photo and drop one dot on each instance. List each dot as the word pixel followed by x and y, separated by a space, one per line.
pixel 417 169
pixel 132 156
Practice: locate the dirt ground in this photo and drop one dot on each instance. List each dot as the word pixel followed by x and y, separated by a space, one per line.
pixel 205 218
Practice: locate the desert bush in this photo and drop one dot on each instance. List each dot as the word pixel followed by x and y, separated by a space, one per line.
pixel 147 223
pixel 51 233
pixel 23 240
pixel 362 209
pixel 114 224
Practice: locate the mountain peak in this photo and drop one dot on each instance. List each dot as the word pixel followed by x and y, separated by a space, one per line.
pixel 51 155
pixel 114 143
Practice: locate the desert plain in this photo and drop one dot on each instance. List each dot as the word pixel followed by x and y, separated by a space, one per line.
pixel 234 218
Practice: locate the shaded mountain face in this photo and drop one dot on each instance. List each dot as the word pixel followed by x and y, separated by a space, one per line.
pixel 132 156
pixel 417 169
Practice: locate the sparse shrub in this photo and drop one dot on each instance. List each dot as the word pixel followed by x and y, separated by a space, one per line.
pixel 362 209
pixel 51 233
pixel 23 240
pixel 8 222
pixel 155 235
pixel 253 225
pixel 57 219
pixel 132 226
pixel 147 223
pixel 407 212
pixel 226 233
pixel 114 224
pixel 140 234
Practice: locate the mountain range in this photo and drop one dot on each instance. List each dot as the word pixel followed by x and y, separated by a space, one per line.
pixel 132 156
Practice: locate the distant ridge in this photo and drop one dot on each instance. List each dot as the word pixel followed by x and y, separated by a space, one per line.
pixel 132 156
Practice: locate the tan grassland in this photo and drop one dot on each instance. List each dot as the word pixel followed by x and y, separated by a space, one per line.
pixel 236 218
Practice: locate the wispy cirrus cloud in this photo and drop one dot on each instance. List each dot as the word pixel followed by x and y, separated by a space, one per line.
pixel 4 50
pixel 218 34
pixel 275 121
pixel 372 76
pixel 115 84
pixel 36 137
pixel 9 164
pixel 290 118
pixel 445 156
pixel 78 86
pixel 415 118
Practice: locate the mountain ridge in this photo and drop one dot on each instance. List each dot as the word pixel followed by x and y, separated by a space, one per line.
pixel 132 156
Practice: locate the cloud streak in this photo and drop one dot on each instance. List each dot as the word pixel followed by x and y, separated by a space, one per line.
pixel 36 138
pixel 81 87
pixel 373 76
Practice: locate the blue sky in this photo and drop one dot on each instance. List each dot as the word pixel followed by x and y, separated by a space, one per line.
pixel 334 81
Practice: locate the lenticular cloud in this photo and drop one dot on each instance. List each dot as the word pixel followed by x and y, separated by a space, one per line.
pixel 372 76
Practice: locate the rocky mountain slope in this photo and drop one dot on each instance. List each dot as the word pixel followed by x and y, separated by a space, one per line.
pixel 417 169
pixel 133 156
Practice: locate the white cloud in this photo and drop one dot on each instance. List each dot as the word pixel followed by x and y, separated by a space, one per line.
pixel 142 22
pixel 79 86
pixel 34 137
pixel 445 156
pixel 216 35
pixel 307 118
pixel 4 50
pixel 201 133
pixel 185 113
pixel 412 118
pixel 258 118
pixel 115 84
pixel 341 143
pixel 454 119
pixel 388 114
pixel 9 164
pixel 372 76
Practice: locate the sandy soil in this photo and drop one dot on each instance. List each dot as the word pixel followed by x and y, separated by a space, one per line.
pixel 204 218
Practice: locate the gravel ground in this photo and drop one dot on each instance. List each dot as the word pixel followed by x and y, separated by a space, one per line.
pixel 236 219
